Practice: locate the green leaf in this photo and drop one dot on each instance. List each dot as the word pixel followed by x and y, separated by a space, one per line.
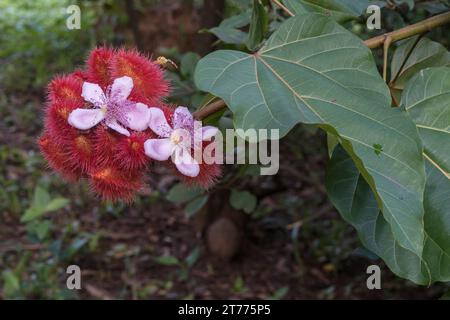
pixel 355 201
pixel 180 193
pixel 243 200
pixel 314 71
pixel 11 283
pixel 427 99
pixel 353 198
pixel 42 228
pixel 192 258
pixel 195 205
pixel 228 30
pixel 167 260
pixel 35 212
pixel 258 25
pixel 410 3
pixel 339 10
pixel 332 142
pixel 41 197
pixel 56 204
pixel 426 54
pixel 32 213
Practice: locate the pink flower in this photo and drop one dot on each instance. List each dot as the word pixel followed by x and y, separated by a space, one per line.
pixel 111 107
pixel 177 141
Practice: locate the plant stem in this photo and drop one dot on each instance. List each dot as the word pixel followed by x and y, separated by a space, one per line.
pixel 386 45
pixel 409 31
pixel 372 43
pixel 209 109
pixel 285 9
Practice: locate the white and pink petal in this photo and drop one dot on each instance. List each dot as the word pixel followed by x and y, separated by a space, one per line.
pixel 185 163
pixel 182 118
pixel 121 88
pixel 138 117
pixel 208 132
pixel 158 123
pixel 113 124
pixel 91 92
pixel 159 149
pixel 84 119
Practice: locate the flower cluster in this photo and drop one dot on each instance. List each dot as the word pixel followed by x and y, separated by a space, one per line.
pixel 107 122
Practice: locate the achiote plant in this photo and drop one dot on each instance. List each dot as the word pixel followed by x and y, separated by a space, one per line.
pixel 389 172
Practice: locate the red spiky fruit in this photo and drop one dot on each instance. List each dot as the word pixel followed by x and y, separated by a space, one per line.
pixel 56 158
pixel 66 88
pixel 99 66
pixel 130 154
pixel 148 78
pixel 113 184
pixel 56 120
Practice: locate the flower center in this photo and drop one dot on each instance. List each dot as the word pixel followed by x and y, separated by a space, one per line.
pixel 104 108
pixel 176 137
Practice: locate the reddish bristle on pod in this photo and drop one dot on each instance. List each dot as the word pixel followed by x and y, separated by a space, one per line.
pixel 80 74
pixel 208 176
pixel 56 123
pixel 130 154
pixel 66 89
pixel 56 158
pixel 80 152
pixel 113 184
pixel 99 66
pixel 105 144
pixel 149 84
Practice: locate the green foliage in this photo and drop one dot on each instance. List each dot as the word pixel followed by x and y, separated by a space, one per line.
pixel 284 84
pixel 195 205
pixel 389 172
pixel 194 198
pixel 36 44
pixel 42 204
pixel 426 99
pixel 243 200
pixel 167 260
pixel 180 193
pixel 340 10
pixel 229 29
pixel 258 26
pixel 408 60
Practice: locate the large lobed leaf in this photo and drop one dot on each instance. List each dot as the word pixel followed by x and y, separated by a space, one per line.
pixel 312 70
pixel 427 99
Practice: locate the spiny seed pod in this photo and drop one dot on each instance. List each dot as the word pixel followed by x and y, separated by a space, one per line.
pixel 56 120
pixel 112 184
pixel 80 152
pixel 66 88
pixel 99 66
pixel 56 158
pixel 208 176
pixel 130 153
pixel 149 83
